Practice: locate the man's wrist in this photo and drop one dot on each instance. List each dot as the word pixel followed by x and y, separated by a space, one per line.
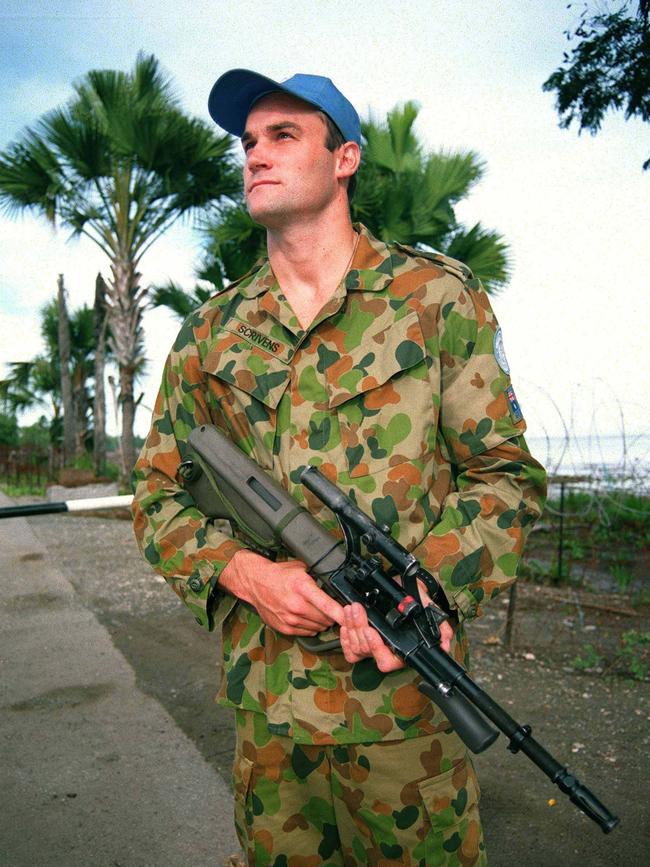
pixel 233 576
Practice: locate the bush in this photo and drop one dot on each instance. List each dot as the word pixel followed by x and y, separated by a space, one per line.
pixel 8 430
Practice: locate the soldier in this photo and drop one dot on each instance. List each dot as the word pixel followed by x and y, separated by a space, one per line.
pixel 383 366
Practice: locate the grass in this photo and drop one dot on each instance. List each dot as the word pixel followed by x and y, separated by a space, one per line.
pixel 604 532
pixel 26 489
pixel 609 514
pixel 631 657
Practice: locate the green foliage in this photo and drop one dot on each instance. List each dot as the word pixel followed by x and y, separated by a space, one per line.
pixel 574 549
pixel 589 658
pixel 26 489
pixel 632 656
pixel 640 598
pixel 532 569
pixel 609 69
pixel 119 162
pixel 112 471
pixel 8 430
pixel 38 382
pixel 40 434
pixel 30 384
pixel 606 531
pixel 177 299
pixel 83 462
pixel 403 193
pixel 623 576
pixel 233 243
pixel 407 194
pixel 612 515
pixel 634 653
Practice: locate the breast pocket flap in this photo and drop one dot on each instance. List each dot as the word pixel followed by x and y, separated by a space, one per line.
pixel 383 355
pixel 251 370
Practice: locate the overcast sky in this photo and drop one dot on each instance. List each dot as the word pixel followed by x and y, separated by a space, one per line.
pixel 573 209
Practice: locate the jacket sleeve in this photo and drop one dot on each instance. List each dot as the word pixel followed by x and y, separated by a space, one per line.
pixel 189 550
pixel 498 489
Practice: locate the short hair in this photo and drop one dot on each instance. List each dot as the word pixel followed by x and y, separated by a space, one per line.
pixel 333 140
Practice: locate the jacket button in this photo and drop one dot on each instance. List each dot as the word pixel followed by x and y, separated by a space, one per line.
pixel 195 584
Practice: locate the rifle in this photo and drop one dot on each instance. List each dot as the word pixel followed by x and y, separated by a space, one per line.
pixel 225 483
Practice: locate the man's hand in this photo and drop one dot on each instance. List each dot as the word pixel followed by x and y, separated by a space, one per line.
pixel 360 640
pixel 285 596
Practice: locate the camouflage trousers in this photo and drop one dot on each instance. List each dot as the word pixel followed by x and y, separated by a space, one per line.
pixel 407 802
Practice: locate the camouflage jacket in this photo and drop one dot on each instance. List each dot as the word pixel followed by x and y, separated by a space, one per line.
pixel 396 394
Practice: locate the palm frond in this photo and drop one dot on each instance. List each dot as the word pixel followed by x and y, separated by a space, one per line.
pixel 450 176
pixel 177 299
pixel 80 144
pixel 406 194
pixel 31 177
pixel 233 241
pixel 485 252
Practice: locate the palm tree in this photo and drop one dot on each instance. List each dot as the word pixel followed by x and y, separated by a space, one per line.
pixel 38 382
pixel 119 163
pixel 81 366
pixel 406 194
pixel 403 194
pixel 30 384
pixel 70 444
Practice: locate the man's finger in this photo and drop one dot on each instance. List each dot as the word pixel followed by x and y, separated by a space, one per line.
pixel 446 634
pixel 323 603
pixel 385 659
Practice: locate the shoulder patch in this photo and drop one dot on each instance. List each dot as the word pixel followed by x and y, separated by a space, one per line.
pixel 500 352
pixel 452 266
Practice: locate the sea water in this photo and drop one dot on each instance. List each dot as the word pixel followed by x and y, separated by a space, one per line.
pixel 620 461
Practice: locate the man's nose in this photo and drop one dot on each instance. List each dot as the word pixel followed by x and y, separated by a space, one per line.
pixel 257 157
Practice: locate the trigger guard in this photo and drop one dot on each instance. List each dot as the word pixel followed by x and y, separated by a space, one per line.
pixel 314 644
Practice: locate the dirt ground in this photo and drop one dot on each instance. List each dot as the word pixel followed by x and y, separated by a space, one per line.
pixel 597 723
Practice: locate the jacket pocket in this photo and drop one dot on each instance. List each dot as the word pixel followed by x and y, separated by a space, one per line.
pixel 382 396
pixel 451 802
pixel 246 384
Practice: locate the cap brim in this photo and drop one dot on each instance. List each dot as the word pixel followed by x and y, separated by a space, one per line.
pixel 234 93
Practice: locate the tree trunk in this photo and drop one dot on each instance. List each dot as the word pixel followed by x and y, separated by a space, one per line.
pixel 99 406
pixel 80 401
pixel 508 638
pixel 69 421
pixel 116 417
pixel 127 403
pixel 125 308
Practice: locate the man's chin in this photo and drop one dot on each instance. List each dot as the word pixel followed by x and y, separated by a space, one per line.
pixel 270 218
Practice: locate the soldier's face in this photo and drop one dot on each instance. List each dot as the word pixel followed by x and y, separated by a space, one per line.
pixel 289 173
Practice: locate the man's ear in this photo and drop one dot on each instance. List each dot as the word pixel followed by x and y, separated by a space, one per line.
pixel 348 159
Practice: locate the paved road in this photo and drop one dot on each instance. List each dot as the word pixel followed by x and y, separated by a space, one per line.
pixel 148 733
pixel 95 772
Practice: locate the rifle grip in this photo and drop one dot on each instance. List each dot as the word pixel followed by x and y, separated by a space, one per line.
pixel 468 723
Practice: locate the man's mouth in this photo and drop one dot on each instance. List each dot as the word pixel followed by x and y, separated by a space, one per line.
pixel 261 183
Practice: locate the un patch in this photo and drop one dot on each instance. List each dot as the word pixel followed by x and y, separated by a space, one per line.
pixel 513 403
pixel 500 352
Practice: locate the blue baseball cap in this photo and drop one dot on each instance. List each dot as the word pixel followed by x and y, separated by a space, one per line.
pixel 235 92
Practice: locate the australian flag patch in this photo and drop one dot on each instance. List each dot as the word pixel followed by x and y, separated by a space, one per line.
pixel 513 403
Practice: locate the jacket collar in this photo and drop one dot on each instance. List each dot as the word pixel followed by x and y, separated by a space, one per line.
pixel 370 270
